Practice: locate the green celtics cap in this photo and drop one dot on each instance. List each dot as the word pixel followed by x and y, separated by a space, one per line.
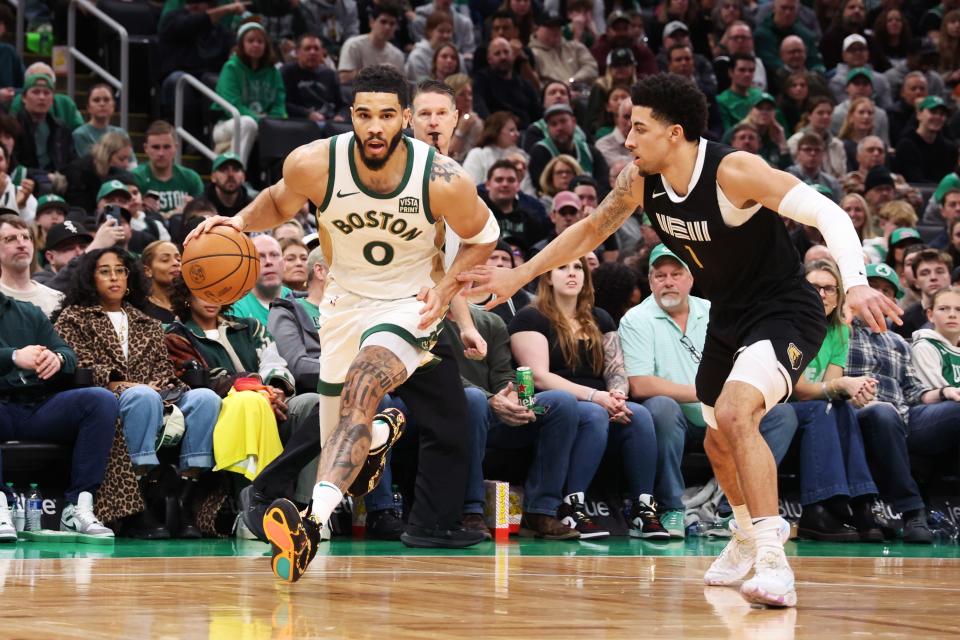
pixel 932 102
pixel 886 272
pixel 52 201
pixel 859 72
pixel 224 158
pixel 661 251
pixel 904 233
pixel 111 186
pixel 763 97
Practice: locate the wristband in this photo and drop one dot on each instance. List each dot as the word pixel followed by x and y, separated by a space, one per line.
pixel 13 357
pixel 823 387
pixel 943 396
pixel 593 392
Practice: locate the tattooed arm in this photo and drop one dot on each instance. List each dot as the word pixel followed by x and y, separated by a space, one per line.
pixel 614 372
pixel 570 245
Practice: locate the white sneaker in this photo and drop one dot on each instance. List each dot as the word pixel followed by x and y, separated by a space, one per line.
pixel 8 533
pixel 737 558
pixel 772 583
pixel 79 518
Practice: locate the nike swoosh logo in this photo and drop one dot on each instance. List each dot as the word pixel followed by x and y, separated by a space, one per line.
pixel 346 195
pixel 657 195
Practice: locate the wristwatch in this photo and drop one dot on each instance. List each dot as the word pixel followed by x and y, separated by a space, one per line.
pixel 63 361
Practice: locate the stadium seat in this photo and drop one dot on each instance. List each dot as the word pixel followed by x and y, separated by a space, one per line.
pixel 277 138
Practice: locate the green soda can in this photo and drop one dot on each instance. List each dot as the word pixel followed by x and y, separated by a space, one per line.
pixel 525 386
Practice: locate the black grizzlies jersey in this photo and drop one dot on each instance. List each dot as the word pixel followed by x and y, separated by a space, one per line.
pixel 736 266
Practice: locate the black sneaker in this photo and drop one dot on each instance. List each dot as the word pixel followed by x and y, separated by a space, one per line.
pixel 573 513
pixel 253 506
pixel 384 524
pixel 436 538
pixel 293 538
pixel 372 468
pixel 915 528
pixel 644 522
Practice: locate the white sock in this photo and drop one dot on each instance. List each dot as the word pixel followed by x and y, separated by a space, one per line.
pixel 379 434
pixel 326 498
pixel 766 533
pixel 742 515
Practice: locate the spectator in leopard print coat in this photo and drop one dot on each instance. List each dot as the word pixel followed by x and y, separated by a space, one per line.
pixel 101 320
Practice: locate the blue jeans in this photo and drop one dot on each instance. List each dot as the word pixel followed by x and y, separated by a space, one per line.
pixel 934 428
pixel 84 418
pixel 551 436
pixel 674 431
pixel 832 456
pixel 885 440
pixel 142 411
pixel 636 442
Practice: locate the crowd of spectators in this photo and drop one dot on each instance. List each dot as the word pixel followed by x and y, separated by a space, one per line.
pixel 857 99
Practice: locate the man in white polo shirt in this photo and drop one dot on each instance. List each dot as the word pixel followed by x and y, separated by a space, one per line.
pixel 662 341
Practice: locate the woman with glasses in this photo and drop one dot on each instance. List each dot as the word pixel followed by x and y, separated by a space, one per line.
pixel 102 321
pixel 836 489
pixel 570 345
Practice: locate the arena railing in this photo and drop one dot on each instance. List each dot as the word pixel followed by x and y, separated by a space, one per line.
pixel 21 25
pixel 187 79
pixel 121 84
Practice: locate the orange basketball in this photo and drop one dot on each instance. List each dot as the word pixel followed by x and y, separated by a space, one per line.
pixel 220 266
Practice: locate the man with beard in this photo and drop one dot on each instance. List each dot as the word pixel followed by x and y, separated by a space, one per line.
pixel 719 207
pixel 498 87
pixel 226 189
pixel 382 210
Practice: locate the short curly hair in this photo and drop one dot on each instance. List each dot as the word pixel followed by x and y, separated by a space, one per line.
pixel 180 300
pixel 673 99
pixel 383 78
pixel 82 291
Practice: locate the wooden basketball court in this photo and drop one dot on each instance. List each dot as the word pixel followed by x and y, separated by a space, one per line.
pixel 224 590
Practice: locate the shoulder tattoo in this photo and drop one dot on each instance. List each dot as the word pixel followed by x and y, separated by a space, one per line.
pixel 443 169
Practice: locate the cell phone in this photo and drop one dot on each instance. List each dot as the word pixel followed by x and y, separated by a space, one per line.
pixel 113 211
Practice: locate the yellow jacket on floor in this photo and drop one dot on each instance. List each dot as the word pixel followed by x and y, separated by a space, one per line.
pixel 245 439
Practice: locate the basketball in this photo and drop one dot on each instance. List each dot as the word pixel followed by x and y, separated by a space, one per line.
pixel 220 266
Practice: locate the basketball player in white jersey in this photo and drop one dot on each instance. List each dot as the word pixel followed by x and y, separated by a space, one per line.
pixel 718 208
pixel 382 203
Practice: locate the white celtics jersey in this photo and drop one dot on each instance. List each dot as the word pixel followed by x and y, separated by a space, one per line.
pixel 383 246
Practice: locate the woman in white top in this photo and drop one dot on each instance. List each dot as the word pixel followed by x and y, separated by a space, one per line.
pixel 16 197
pixel 499 139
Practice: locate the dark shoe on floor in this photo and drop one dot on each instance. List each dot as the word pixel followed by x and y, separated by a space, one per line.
pixel 475 522
pixel 421 538
pixel 573 513
pixel 376 460
pixel 253 506
pixel 915 528
pixel 817 523
pixel 384 524
pixel 644 521
pixel 293 539
pixel 865 522
pixel 188 516
pixel 538 525
pixel 144 526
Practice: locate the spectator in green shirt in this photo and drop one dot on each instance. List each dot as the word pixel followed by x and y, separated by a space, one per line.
pixel 101 106
pixel 64 108
pixel 175 183
pixel 779 24
pixel 251 83
pixel 736 101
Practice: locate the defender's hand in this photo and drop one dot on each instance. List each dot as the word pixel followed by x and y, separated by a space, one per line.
pixel 474 346
pixel 872 306
pixel 500 282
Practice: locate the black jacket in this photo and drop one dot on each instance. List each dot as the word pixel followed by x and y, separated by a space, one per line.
pixel 59 144
pixel 243 199
pixel 191 42
pixel 311 91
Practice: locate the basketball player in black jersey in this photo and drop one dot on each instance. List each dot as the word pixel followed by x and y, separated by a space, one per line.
pixel 717 208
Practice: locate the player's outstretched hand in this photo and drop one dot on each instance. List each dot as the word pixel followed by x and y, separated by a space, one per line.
pixel 872 306
pixel 499 281
pixel 212 222
pixel 433 307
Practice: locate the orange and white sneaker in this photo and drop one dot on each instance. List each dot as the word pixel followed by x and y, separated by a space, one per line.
pixel 294 538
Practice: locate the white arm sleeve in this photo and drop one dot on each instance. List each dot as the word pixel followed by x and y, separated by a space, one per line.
pixel 809 207
pixel 489 233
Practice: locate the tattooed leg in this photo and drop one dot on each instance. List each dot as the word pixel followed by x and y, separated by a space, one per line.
pixel 375 372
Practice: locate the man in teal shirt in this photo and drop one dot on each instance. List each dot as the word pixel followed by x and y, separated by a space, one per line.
pixel 662 341
pixel 269 287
